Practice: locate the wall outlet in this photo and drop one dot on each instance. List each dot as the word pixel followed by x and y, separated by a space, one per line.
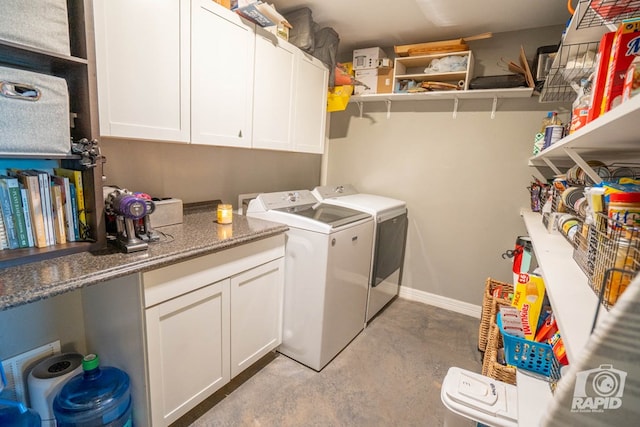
pixel 17 370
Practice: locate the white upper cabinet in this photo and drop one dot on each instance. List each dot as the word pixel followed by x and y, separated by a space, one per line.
pixel 310 105
pixel 222 58
pixel 193 71
pixel 142 59
pixel 273 92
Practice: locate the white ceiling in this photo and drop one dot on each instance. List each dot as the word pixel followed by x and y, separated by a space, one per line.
pixel 369 23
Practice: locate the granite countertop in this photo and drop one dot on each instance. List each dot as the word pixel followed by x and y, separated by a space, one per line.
pixel 198 235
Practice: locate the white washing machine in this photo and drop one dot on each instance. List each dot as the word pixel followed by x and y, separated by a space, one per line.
pixel 327 263
pixel 390 239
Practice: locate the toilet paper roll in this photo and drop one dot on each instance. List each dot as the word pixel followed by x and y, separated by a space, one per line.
pixel 47 378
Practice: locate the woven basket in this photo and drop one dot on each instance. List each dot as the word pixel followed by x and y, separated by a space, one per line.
pixel 488 310
pixel 490 366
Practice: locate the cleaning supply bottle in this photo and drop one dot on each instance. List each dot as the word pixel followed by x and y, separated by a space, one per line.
pixel 581 106
pixel 538 142
pixel 99 396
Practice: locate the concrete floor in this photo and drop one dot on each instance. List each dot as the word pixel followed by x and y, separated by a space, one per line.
pixel 390 375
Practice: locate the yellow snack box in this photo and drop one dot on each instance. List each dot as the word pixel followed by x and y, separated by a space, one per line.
pixel 528 295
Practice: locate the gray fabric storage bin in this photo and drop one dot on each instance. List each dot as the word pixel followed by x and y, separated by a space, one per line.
pixel 43 24
pixel 326 50
pixel 303 32
pixel 34 113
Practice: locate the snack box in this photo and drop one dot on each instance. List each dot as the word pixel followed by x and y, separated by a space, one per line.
pixel 626 46
pixel 600 75
pixel 528 297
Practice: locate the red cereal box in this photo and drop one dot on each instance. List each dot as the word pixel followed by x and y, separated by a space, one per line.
pixel 626 46
pixel 600 76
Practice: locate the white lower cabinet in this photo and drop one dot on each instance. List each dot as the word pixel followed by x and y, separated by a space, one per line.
pixel 183 331
pixel 188 350
pixel 256 313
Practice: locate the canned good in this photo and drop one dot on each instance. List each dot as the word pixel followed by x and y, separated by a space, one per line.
pixel 552 134
pixel 624 208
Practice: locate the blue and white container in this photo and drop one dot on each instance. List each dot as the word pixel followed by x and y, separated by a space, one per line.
pixel 100 396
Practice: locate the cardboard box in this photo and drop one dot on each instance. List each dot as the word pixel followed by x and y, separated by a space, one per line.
pixel 379 80
pixel 225 3
pixel 626 46
pixel 600 75
pixel 365 59
pixel 385 80
pixel 528 295
pixel 368 77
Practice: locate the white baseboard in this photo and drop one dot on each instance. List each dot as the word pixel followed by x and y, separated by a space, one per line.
pixel 440 301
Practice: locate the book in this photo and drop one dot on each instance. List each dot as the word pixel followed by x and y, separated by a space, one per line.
pixel 75 176
pixel 27 215
pixel 15 198
pixel 7 214
pixel 47 209
pixel 3 234
pixel 59 226
pixel 31 183
pixel 74 211
pixel 63 182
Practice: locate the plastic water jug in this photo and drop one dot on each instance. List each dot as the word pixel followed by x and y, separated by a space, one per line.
pixel 100 396
pixel 13 413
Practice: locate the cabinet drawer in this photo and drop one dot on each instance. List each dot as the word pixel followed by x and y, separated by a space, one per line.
pixel 175 280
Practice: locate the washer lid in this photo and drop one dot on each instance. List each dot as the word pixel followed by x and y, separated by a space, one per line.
pixel 335 216
pixel 370 203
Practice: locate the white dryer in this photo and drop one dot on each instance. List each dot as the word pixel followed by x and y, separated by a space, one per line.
pixel 390 239
pixel 327 263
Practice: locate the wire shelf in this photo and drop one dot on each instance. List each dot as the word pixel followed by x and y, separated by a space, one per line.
pixel 607 12
pixel 617 258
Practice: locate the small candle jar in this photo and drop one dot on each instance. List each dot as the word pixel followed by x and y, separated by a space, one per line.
pixel 225 214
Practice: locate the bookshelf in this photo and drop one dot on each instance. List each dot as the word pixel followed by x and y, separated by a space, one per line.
pixel 78 69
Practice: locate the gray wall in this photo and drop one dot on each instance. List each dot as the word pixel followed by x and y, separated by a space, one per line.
pixel 464 179
pixel 196 173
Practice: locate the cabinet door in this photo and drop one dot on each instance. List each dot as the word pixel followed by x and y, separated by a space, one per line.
pixel 142 59
pixel 273 92
pixel 188 350
pixel 310 105
pixel 222 49
pixel 256 313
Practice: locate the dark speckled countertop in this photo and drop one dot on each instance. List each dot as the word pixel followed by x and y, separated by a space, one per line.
pixel 198 235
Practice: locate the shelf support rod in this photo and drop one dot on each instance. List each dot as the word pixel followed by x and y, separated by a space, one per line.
pixel 388 109
pixel 455 107
pixel 493 108
pixel 360 107
pixel 552 166
pixel 583 165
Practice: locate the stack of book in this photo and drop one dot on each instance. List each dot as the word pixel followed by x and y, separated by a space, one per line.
pixel 40 209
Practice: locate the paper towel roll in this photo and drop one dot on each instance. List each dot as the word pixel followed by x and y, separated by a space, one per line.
pixel 46 379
